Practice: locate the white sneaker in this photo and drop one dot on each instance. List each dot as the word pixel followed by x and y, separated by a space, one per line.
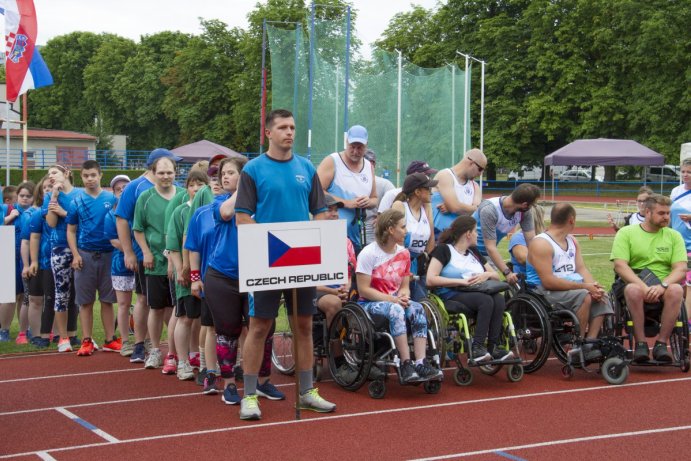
pixel 185 371
pixel 154 359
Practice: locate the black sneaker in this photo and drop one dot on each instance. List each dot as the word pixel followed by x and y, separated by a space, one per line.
pixel 501 354
pixel 210 384
pixel 408 373
pixel 75 341
pixel 479 353
pixel 661 353
pixel 201 376
pixel 238 372
pixel 427 372
pixel 641 353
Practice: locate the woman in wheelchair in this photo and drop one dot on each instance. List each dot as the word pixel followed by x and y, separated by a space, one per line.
pixel 455 263
pixel 518 248
pixel 383 275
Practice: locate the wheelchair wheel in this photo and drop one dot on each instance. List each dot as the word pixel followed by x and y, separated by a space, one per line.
pixel 437 327
pixel 567 371
pixel 350 347
pixel 565 331
pixel 679 341
pixel 463 377
pixel 282 351
pixel 615 370
pixel 377 389
pixel 515 372
pixel 533 330
pixel 317 369
pixel 432 387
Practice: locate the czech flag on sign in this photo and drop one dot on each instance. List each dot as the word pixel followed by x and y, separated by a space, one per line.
pixel 24 66
pixel 294 247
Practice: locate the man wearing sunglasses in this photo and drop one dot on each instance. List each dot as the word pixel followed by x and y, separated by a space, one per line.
pixel 457 194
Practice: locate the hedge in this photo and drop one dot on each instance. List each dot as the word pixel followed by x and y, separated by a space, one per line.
pixel 36 175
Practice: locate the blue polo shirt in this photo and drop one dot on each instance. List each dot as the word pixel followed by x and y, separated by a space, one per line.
pixel 38 225
pixel 224 257
pixel 201 233
pixel 89 214
pixel 58 236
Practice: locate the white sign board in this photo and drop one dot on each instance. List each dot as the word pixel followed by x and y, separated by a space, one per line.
pixel 7 261
pixel 292 255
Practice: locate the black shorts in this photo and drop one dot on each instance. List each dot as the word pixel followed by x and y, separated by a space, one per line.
pixel 37 284
pixel 188 306
pixel 158 292
pixel 227 305
pixel 264 304
pixel 206 319
pixel 140 279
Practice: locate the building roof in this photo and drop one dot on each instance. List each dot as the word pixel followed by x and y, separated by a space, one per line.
pixel 41 133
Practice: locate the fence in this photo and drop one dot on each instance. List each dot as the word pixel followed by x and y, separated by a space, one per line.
pixel 615 189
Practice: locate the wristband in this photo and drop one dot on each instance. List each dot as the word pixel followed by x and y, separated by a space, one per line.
pixel 195 276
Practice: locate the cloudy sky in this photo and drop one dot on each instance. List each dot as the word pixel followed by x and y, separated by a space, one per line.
pixel 133 18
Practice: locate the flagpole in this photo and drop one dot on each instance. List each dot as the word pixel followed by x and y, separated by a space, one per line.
pixel 7 140
pixel 25 134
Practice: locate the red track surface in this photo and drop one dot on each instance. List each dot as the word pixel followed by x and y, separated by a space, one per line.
pixel 146 415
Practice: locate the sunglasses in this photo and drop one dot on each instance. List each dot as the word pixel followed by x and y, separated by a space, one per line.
pixel 479 167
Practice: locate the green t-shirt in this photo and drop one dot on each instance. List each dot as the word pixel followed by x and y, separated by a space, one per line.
pixel 174 240
pixel 656 251
pixel 204 196
pixel 174 203
pixel 150 218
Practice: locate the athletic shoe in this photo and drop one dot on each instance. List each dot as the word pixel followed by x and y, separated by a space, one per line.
pixel 194 361
pixel 138 354
pixel 29 334
pixel 64 345
pixel 41 343
pixel 112 346
pixel 148 345
pixel 126 349
pixel 426 371
pixel 591 353
pixel 87 347
pixel 201 375
pixel 4 336
pixel 230 395
pixel 21 338
pixel 249 408
pixel 210 384
pixel 54 338
pixel 641 353
pixel 376 373
pixel 75 341
pixel 479 353
pixel 500 354
pixel 661 353
pixel 185 372
pixel 311 400
pixel 238 372
pixel 170 365
pixel 269 391
pixel 154 359
pixel 408 373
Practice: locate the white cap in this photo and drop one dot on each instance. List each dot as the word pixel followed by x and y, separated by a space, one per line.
pixel 118 178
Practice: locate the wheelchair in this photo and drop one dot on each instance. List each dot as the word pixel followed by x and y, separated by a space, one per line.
pixel 457 331
pixel 541 328
pixel 623 329
pixel 363 341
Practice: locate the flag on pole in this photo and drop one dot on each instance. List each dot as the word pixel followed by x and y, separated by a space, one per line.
pixel 24 66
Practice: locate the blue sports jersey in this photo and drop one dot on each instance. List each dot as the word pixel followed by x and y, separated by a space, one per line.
pixel 38 225
pixel 127 203
pixel 681 207
pixel 89 213
pixel 17 223
pixel 110 232
pixel 280 191
pixel 201 232
pixel 58 236
pixel 517 239
pixel 25 226
pixel 224 257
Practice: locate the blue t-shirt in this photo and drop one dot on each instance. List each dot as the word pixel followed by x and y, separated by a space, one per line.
pixel 517 239
pixel 38 225
pixel 224 257
pixel 280 190
pixel 24 224
pixel 110 232
pixel 681 207
pixel 127 203
pixel 58 236
pixel 18 222
pixel 201 233
pixel 89 214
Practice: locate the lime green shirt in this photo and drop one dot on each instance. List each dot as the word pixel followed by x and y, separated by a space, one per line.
pixel 174 240
pixel 204 196
pixel 656 251
pixel 150 218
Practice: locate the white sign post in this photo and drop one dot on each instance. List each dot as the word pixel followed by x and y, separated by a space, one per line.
pixel 7 262
pixel 292 255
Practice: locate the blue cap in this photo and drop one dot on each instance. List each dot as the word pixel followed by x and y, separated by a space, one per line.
pixel 161 152
pixel 357 133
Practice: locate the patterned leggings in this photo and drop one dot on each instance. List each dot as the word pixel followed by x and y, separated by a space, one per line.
pixel 61 263
pixel 397 316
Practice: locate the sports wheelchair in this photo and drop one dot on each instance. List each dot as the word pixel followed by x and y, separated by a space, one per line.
pixel 362 341
pixel 623 328
pixel 540 328
pixel 457 334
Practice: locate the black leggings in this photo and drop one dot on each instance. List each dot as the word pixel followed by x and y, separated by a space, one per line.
pixel 488 311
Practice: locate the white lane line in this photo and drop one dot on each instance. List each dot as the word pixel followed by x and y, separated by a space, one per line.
pixel 45 456
pixel 71 375
pixel 557 442
pixel 353 415
pixel 101 433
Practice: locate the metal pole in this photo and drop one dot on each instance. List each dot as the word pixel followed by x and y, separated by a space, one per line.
pixel 336 149
pixel 25 134
pixel 347 75
pixel 296 69
pixel 465 109
pixel 311 77
pixel 294 327
pixel 262 96
pixel 453 114
pixel 482 107
pixel 398 120
pixel 7 140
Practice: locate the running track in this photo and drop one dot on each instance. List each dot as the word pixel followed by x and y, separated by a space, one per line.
pixel 57 406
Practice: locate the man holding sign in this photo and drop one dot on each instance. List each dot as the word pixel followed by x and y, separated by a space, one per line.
pixel 280 187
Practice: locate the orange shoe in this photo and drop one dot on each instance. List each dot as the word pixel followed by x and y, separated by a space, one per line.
pixel 114 345
pixel 87 347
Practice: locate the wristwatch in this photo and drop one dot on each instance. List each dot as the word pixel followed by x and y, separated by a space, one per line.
pixel 506 271
pixel 665 285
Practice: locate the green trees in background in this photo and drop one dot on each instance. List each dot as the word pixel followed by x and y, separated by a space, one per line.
pixel 558 70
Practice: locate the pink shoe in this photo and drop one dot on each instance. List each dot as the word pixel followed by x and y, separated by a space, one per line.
pixel 21 338
pixel 194 361
pixel 170 365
